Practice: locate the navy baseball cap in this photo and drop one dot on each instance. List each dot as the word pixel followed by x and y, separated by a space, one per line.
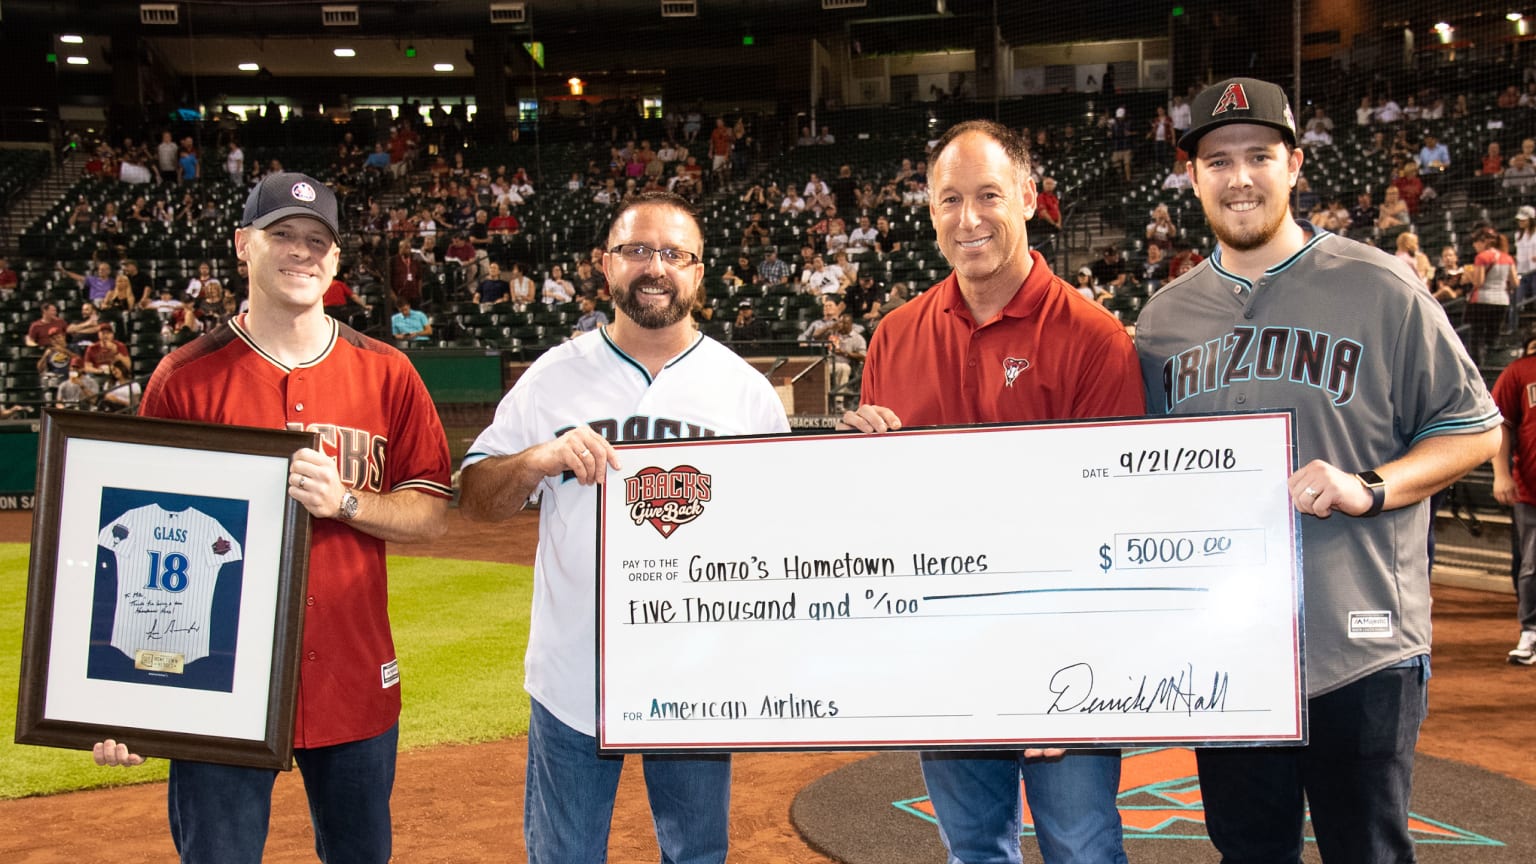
pixel 279 196
pixel 1238 100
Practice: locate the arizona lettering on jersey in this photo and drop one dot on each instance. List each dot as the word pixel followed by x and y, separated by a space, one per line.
pixel 1297 354
pixel 168 565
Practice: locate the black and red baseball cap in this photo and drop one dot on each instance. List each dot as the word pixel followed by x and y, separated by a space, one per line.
pixel 1238 100
pixel 279 196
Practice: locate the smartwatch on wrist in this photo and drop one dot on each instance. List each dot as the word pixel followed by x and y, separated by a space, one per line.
pixel 1378 489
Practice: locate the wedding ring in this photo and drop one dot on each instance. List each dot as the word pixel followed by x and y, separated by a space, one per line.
pixel 1312 492
pixel 302 478
pixel 586 453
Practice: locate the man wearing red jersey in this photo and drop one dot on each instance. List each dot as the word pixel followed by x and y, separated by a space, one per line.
pixel 1514 484
pixel 380 472
pixel 1002 340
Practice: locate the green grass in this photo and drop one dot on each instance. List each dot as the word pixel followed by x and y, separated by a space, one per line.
pixel 460 629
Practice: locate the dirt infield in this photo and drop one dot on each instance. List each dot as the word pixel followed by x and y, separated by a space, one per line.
pixel 464 803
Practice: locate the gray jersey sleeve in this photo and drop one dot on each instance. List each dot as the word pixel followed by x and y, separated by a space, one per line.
pixel 1439 389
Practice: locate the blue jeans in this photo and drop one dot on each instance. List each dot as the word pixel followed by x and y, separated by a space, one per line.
pixel 570 790
pixel 976 798
pixel 1356 774
pixel 219 813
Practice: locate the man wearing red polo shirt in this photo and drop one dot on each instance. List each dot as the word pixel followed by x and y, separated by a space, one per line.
pixel 1002 340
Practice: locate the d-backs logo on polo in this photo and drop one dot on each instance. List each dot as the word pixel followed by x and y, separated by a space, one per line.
pixel 666 499
pixel 1012 366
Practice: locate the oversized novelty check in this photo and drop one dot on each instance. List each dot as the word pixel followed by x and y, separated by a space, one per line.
pixel 1083 584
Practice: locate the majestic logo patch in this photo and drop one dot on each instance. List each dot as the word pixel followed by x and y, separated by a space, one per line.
pixel 1232 97
pixel 1012 366
pixel 1376 624
pixel 303 191
pixel 220 546
pixel 666 499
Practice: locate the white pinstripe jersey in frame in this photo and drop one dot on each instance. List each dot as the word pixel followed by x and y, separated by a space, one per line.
pixel 162 606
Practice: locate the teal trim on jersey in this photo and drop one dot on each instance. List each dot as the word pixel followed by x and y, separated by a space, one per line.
pixel 1216 265
pixel 1459 427
pixel 471 458
pixel 625 357
pixel 1317 234
pixel 698 338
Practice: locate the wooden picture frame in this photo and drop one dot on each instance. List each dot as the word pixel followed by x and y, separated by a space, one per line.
pixel 166 590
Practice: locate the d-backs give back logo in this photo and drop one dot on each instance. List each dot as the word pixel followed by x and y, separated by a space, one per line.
pixel 666 499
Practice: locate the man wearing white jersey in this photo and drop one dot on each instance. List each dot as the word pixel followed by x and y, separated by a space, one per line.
pixel 650 375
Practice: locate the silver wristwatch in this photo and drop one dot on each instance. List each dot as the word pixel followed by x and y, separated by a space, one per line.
pixel 348 509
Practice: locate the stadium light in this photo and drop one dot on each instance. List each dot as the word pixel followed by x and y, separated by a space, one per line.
pixel 345 52
pixel 442 67
pixel 72 39
pixel 249 67
pixel 577 85
pixel 1513 16
pixel 77 61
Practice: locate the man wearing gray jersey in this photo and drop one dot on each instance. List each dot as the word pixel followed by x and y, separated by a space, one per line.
pixel 1389 409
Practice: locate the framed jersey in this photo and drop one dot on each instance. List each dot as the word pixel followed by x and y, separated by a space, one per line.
pixel 166 590
pixel 166 604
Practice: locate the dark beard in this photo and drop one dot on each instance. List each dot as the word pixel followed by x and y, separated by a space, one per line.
pixel 651 317
pixel 1248 241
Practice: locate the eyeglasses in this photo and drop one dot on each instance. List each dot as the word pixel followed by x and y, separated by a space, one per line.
pixel 639 253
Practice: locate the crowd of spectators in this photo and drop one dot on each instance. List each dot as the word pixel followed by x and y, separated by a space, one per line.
pixel 1453 168
pixel 427 203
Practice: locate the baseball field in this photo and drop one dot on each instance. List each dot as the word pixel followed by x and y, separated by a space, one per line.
pixel 458 795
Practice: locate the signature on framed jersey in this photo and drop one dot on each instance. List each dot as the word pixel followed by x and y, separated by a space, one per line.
pixel 166 590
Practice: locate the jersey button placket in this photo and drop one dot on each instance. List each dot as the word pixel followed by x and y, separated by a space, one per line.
pixel 972 376
pixel 298 391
